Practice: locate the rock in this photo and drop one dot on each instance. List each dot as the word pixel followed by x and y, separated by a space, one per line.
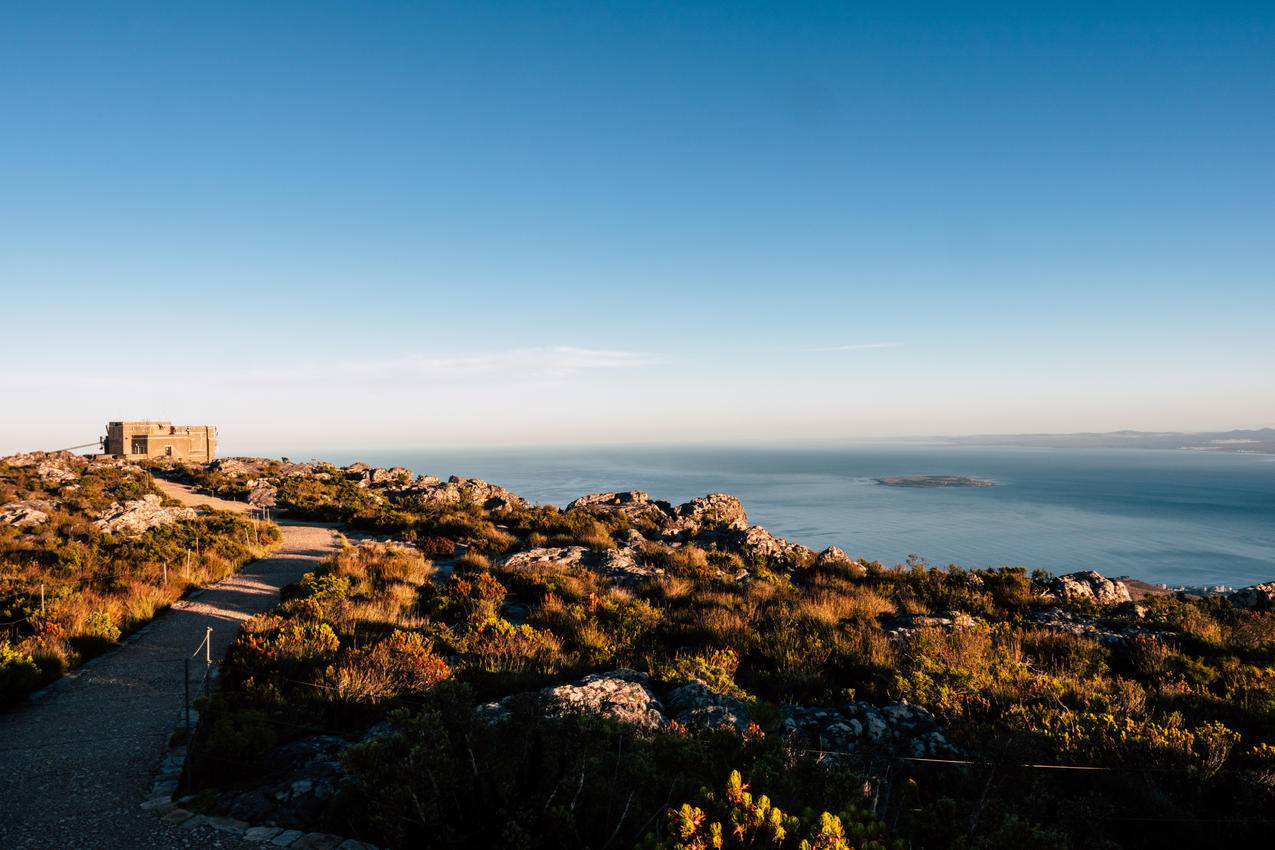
pixel 1257 597
pixel 317 841
pixel 261 833
pixel 56 472
pixel 899 727
pixel 821 728
pixel 756 543
pixel 903 625
pixel 1094 628
pixel 22 459
pixel 458 490
pixel 713 512
pixel 223 824
pixel 230 466
pixel 312 771
pixel 26 514
pixel 287 838
pixel 622 695
pixel 566 557
pixel 1090 586
pixel 621 566
pixel 834 557
pixel 695 705
pixel 49 467
pixel 632 539
pixel 638 507
pixel 263 495
pixel 140 515
pixel 932 744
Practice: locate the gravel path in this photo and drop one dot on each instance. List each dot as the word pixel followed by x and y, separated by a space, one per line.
pixel 78 760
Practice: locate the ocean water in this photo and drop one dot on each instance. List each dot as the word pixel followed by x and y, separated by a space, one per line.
pixel 1162 516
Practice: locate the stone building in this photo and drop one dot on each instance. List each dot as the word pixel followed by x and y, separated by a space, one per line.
pixel 149 439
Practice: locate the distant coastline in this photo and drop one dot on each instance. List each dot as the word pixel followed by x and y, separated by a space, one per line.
pixel 1255 441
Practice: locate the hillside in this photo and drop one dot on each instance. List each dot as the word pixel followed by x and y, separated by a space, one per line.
pixel 493 672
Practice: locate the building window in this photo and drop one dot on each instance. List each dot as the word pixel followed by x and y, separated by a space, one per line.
pixel 139 447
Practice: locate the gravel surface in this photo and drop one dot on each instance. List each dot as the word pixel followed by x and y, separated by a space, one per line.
pixel 77 761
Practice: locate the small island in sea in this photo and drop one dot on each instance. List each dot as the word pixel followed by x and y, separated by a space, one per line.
pixel 935 481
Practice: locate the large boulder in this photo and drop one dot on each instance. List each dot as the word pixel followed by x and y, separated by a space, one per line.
pixel 456 490
pixel 1090 586
pixel 834 557
pixel 49 467
pixel 1257 597
pixel 622 566
pixel 713 512
pixel 755 543
pixel 695 705
pixel 622 695
pixel 1111 631
pixel 27 513
pixel 906 625
pixel 140 515
pixel 566 557
pixel 232 466
pixel 395 476
pixel 639 508
pixel 896 727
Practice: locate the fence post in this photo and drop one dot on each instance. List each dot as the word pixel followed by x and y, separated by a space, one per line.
pixel 41 599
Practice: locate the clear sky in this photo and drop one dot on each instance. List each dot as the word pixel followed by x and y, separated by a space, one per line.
pixel 374 224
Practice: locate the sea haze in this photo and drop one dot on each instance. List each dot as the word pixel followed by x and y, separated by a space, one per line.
pixel 1177 517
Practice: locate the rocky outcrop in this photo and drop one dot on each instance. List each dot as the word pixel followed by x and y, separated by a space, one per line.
pixel 622 695
pixel 1257 597
pixel 905 625
pixel 1103 630
pixel 49 467
pixel 313 772
pixel 1090 586
pixel 263 495
pixel 565 557
pixel 639 508
pixel 696 706
pixel 232 466
pixel 140 515
pixel 714 512
pixel 26 514
pixel 457 490
pixel 622 566
pixel 834 557
pixel 857 726
pixel 755 543
pixel 394 476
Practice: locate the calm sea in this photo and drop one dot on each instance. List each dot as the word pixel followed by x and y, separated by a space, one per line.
pixel 1163 516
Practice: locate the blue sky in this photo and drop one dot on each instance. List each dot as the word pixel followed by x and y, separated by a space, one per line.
pixel 506 223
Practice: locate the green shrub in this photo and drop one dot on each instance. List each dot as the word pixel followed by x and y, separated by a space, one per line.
pixel 18 674
pixel 321 586
pixel 737 819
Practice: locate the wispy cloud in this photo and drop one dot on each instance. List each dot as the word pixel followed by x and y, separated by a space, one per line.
pixel 553 362
pixel 856 346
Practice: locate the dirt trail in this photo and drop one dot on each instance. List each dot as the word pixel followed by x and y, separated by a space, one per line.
pixel 77 761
